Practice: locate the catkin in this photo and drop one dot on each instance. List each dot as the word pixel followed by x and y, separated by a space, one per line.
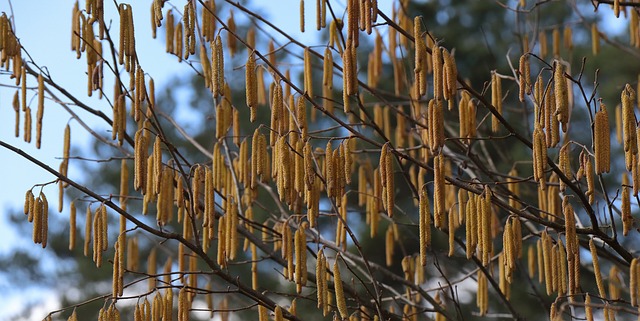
pixel 72 225
pixel 327 80
pixel 596 268
pixel 386 178
pixel 634 273
pixel 496 99
pixel 301 257
pixel 625 207
pixel 482 296
pixel 602 144
pixel 439 207
pixel 438 70
pixel 539 156
pixel 320 278
pixel 308 72
pixel 565 165
pixel 425 225
pixel 561 94
pixel 420 69
pixel 40 111
pixel 389 243
pixel 87 231
pixel 217 61
pixel 251 82
pixel 524 77
pixel 450 74
pixel 339 292
pixel 628 96
pixel 595 39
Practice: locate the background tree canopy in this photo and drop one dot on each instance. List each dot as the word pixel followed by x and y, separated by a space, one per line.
pixel 438 160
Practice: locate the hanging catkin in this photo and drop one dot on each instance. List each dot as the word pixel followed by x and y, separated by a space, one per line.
pixel 337 282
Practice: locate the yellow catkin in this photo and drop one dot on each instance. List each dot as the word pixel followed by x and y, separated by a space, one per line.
pixel 547 256
pixel 595 39
pixel 327 80
pixel 389 243
pixel 625 207
pixel 251 88
pixel 588 309
pixel 486 215
pixel 618 124
pixel 496 99
pixel 542 39
pixel 420 67
pixel 278 314
pixel 425 225
pixel 524 79
pixel 564 163
pixel 628 96
pixel 614 283
pixel 633 281
pixel 308 72
pixel 602 144
pixel 320 277
pixel 555 41
pixel 482 296
pixel 217 61
pixel 561 94
pixel 301 257
pixel 539 156
pixel 40 111
pixel 87 231
pixel 438 70
pixel 596 268
pixel 72 226
pixel 471 226
pixel 16 109
pixel 450 74
pixel 339 292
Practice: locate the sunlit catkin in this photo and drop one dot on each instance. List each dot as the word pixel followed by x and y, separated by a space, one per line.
pixel 337 283
pixel 596 268
pixel 539 156
pixel 450 75
pixel 496 99
pixel 40 111
pixel 628 97
pixel 602 143
pixel 561 94
pixel 625 207
pixel 217 65
pixel 251 82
